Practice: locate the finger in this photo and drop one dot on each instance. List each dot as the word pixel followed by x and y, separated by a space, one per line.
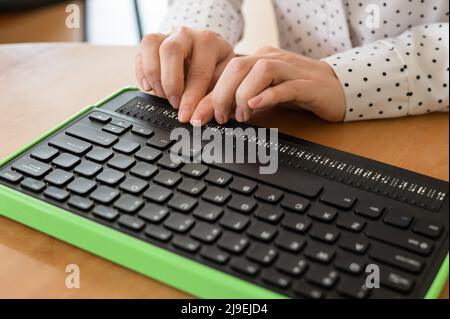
pixel 297 91
pixel 224 92
pixel 204 112
pixel 173 53
pixel 150 61
pixel 139 72
pixel 265 73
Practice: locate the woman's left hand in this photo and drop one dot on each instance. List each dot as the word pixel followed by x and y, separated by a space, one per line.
pixel 270 77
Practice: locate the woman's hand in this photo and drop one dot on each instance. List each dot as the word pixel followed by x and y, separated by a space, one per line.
pixel 270 77
pixel 182 66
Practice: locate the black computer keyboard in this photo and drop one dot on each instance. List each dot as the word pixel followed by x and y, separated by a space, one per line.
pixel 308 231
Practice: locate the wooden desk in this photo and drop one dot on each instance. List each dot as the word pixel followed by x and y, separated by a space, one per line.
pixel 41 85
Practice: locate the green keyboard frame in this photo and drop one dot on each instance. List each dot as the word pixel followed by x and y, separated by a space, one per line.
pixel 142 257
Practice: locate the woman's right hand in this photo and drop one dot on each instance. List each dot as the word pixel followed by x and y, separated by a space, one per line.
pixel 182 66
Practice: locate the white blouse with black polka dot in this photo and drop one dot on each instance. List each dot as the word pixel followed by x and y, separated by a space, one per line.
pixel 391 56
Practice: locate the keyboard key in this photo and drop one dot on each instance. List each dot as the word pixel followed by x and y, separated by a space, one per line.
pixel 44 153
pixel 354 288
pixel 167 178
pixel 262 231
pixel 121 162
pixel 10 176
pixel 142 131
pixel 186 244
pixel 218 178
pixel 81 203
pixel 30 167
pixel 320 254
pixel 205 232
pixel 407 241
pixel 268 213
pixel 428 228
pixel 396 280
pixel 215 255
pixel 121 123
pixel 243 186
pixel 370 210
pixel 182 203
pixel 348 263
pixel 294 203
pixel 192 187
pixel 33 185
pixel 216 195
pixel 148 154
pixel 170 162
pixel 66 161
pixel 290 242
pixel 144 170
pixel 157 194
pixel 242 204
pixel 307 291
pixel 351 223
pixel 160 141
pixel 100 117
pixel 58 177
pixel 158 233
pixel 56 193
pixel 92 135
pixel 99 154
pixel 324 278
pixel 398 219
pixel 113 129
pixel 208 212
pixel 233 243
pixel 338 199
pixel 195 170
pixel 245 267
pixel 105 212
pixel 110 177
pixel 322 213
pixel 355 244
pixel 262 254
pixel 131 222
pixel 326 234
pixel 397 258
pixel 298 224
pixel 88 169
pixel 269 194
pixel 81 186
pixel 179 222
pixel 126 147
pixel 129 204
pixel 68 144
pixel 154 213
pixel 133 185
pixel 276 279
pixel 291 265
pixel 105 195
pixel 233 221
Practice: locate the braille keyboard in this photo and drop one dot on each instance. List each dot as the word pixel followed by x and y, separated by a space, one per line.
pixel 308 231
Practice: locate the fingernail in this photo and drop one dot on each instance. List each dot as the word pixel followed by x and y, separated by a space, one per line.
pixel 145 85
pixel 239 115
pixel 183 115
pixel 219 117
pixel 255 101
pixel 196 120
pixel 158 89
pixel 175 101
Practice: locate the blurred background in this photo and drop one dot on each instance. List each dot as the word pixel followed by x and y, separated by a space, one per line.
pixel 114 22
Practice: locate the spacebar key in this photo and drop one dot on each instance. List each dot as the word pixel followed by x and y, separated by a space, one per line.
pixel 400 239
pixel 92 135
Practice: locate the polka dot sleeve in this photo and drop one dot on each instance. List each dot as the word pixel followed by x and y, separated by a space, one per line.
pixel 223 17
pixel 406 75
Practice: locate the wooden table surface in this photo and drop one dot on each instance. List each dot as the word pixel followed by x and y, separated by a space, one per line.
pixel 43 84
